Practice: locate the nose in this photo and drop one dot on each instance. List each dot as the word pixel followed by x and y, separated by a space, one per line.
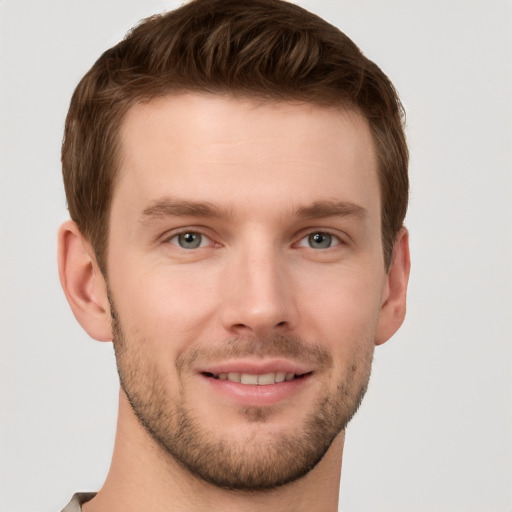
pixel 258 293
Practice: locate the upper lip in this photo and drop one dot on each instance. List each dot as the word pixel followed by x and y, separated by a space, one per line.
pixel 256 367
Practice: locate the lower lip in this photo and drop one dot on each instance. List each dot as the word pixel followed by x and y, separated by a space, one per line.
pixel 253 395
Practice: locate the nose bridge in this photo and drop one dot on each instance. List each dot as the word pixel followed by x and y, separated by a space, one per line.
pixel 258 294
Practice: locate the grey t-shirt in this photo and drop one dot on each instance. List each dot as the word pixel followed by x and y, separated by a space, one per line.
pixel 78 499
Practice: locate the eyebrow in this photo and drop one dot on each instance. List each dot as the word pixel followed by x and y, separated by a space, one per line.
pixel 169 207
pixel 321 209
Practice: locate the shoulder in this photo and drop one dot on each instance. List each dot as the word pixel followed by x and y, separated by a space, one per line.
pixel 78 499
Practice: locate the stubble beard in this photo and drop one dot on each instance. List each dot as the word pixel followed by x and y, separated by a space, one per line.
pixel 252 464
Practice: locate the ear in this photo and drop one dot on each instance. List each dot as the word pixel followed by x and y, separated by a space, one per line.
pixel 393 307
pixel 83 282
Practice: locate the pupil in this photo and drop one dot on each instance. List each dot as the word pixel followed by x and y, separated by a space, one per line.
pixel 320 240
pixel 189 240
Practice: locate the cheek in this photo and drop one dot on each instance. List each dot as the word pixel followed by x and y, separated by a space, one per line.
pixel 342 309
pixel 165 306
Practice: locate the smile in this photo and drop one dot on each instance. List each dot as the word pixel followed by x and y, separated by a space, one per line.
pixel 264 379
pixel 256 383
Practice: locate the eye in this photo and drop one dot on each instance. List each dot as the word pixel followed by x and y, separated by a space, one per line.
pixel 319 240
pixel 190 240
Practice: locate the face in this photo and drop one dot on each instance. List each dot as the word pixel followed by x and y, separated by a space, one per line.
pixel 246 280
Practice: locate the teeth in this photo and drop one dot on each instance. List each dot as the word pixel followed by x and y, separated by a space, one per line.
pixel 262 380
pixel 267 378
pixel 247 378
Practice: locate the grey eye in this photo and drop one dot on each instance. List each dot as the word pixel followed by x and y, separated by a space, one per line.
pixel 320 240
pixel 190 240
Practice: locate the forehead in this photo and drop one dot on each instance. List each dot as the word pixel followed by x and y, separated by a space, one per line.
pixel 246 153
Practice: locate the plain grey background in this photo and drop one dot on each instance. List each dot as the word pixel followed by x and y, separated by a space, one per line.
pixel 435 430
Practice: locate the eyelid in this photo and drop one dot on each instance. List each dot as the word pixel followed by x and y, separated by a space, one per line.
pixel 335 235
pixel 203 241
pixel 174 233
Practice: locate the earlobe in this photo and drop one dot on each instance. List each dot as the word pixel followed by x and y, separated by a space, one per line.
pixel 393 307
pixel 83 282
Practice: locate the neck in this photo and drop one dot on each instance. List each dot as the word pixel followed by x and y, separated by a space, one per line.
pixel 143 477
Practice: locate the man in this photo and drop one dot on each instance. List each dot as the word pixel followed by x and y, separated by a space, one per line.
pixel 236 175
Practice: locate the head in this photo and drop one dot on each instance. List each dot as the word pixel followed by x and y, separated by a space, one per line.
pixel 263 49
pixel 238 187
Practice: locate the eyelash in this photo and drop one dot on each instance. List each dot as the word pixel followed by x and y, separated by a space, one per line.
pixel 184 233
pixel 332 240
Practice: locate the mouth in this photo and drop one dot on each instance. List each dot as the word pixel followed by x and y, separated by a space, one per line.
pixel 264 379
pixel 256 383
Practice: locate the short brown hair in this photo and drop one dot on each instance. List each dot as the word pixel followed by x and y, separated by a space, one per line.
pixel 268 49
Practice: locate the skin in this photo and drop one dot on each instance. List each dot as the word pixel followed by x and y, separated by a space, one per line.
pixel 275 173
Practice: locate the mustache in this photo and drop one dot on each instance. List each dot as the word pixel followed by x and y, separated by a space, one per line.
pixel 275 345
